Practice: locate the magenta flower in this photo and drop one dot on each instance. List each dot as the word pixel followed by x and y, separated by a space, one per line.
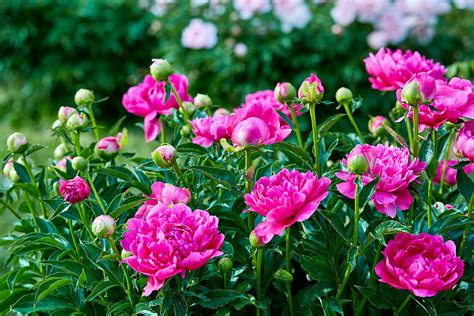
pixel 163 193
pixel 108 147
pixel 419 89
pixel 148 100
pixel 465 141
pixel 449 176
pixel 258 124
pixel 170 240
pixel 62 164
pixel 424 265
pixel 390 71
pixel 396 171
pixel 311 89
pixel 74 190
pixel 376 124
pixel 267 98
pixel 209 130
pixel 451 101
pixel 285 198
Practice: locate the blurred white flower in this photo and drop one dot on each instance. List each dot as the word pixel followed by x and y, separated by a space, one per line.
pixel 292 14
pixel 464 4
pixel 344 12
pixel 199 34
pixel 248 8
pixel 240 49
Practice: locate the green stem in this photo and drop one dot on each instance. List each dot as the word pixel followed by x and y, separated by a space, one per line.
pixel 10 209
pixel 355 238
pixel 128 288
pixel 73 236
pixel 351 119
pixel 96 194
pixel 76 140
pixel 410 135
pixel 248 185
pixel 225 276
pixel 290 298
pixel 296 126
pixel 415 130
pixel 258 275
pixel 288 268
pixel 94 124
pixel 445 163
pixel 468 227
pixel 180 103
pixel 82 215
pixel 33 181
pixel 312 113
pixel 340 290
pixel 405 302
pixel 429 210
pixel 163 132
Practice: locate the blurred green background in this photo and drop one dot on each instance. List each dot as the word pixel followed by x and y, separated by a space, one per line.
pixel 49 49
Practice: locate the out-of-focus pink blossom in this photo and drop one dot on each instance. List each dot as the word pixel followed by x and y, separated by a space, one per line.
pixel 199 35
pixel 267 98
pixel 248 8
pixel 62 164
pixel 292 14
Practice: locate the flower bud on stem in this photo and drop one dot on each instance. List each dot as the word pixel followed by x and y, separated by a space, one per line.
pixel 180 103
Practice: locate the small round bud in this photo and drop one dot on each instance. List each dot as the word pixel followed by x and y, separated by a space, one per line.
pixel 65 112
pixel 330 163
pixel 357 164
pixel 421 88
pixel 221 111
pixel 103 226
pixel 202 100
pixel 125 254
pixel 411 94
pixel 255 242
pixel 56 124
pixel 107 148
pixel 84 97
pixel 285 92
pixel 185 130
pixel 76 121
pixel 8 167
pixel 56 188
pixel 164 156
pixel 161 69
pixel 187 107
pixel 344 95
pixel 17 143
pixel 60 151
pixel 283 276
pixel 311 90
pixel 79 163
pixel 225 265
pixel 376 125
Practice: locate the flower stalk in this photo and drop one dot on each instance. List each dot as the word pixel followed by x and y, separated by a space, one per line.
pixel 314 128
pixel 297 130
pixel 353 122
pixel 96 194
pixel 258 276
pixel 445 163
pixel 415 131
pixel 93 121
pixel 288 268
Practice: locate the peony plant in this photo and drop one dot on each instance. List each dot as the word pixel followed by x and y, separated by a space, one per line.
pixel 244 210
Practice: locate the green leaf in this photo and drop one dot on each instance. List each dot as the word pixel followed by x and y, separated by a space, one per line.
pixel 366 192
pixel 22 173
pixel 382 297
pixel 26 304
pixel 40 295
pixel 387 228
pixel 328 124
pixel 218 174
pixel 465 184
pixel 101 287
pixel 311 293
pixel 427 151
pixel 427 306
pixel 33 148
pixel 118 172
pixel 218 298
pixel 129 203
pixel 398 138
pixel 144 309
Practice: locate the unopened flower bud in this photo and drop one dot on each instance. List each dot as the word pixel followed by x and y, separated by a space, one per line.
pixel 187 107
pixel 222 112
pixel 56 187
pixel 76 121
pixel 107 148
pixel 311 90
pixel 343 95
pixel 202 100
pixel 285 92
pixel 56 124
pixel 185 130
pixel 84 97
pixel 8 167
pixel 250 132
pixel 60 151
pixel 161 69
pixel 376 125
pixel 225 265
pixel 164 156
pixel 17 143
pixel 65 112
pixel 283 276
pixel 419 89
pixel 78 163
pixel 357 164
pixel 125 254
pixel 103 226
pixel 255 241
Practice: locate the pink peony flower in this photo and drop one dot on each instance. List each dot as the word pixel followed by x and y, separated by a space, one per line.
pixel 390 71
pixel 376 124
pixel 396 171
pixel 258 124
pixel 148 100
pixel 292 14
pixel 267 98
pixel 74 190
pixel 449 176
pixel 248 8
pixel 211 129
pixel 285 198
pixel 199 34
pixel 108 147
pixel 465 141
pixel 419 89
pixel 170 240
pixel 62 164
pixel 163 193
pixel 451 101
pixel 424 265
pixel 306 91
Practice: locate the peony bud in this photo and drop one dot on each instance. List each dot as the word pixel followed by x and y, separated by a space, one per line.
pixel 84 97
pixel 187 107
pixel 56 124
pixel 343 95
pixel 76 121
pixel 376 125
pixel 221 111
pixel 161 69
pixel 419 89
pixel 285 92
pixel 78 163
pixel 56 188
pixel 103 226
pixel 17 143
pixel 107 148
pixel 60 151
pixel 65 112
pixel 311 90
pixel 250 132
pixel 283 276
pixel 125 254
pixel 202 100
pixel 8 167
pixel 74 190
pixel 225 265
pixel 164 156
pixel 357 164
pixel 255 242
pixel 185 130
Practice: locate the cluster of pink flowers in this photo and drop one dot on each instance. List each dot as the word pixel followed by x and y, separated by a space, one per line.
pixel 148 100
pixel 74 190
pixel 424 265
pixel 284 199
pixel 211 129
pixel 167 239
pixel 395 169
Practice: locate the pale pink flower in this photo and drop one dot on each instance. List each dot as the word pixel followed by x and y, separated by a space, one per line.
pixel 248 8
pixel 285 198
pixel 424 265
pixel 199 35
pixel 74 190
pixel 170 240
pixel 292 14
pixel 396 171
pixel 62 164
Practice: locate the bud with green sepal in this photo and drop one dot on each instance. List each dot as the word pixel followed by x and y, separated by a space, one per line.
pixel 79 163
pixel 284 92
pixel 164 156
pixel 17 143
pixel 76 121
pixel 103 226
pixel 283 276
pixel 357 164
pixel 202 101
pixel 84 97
pixel 225 265
pixel 161 69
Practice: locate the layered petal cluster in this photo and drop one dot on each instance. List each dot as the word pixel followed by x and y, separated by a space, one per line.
pixel 170 240
pixel 74 190
pixel 267 97
pixel 390 70
pixel 163 193
pixel 452 100
pixel 465 141
pixel 148 100
pixel 211 129
pixel 395 170
pixel 422 264
pixel 285 198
